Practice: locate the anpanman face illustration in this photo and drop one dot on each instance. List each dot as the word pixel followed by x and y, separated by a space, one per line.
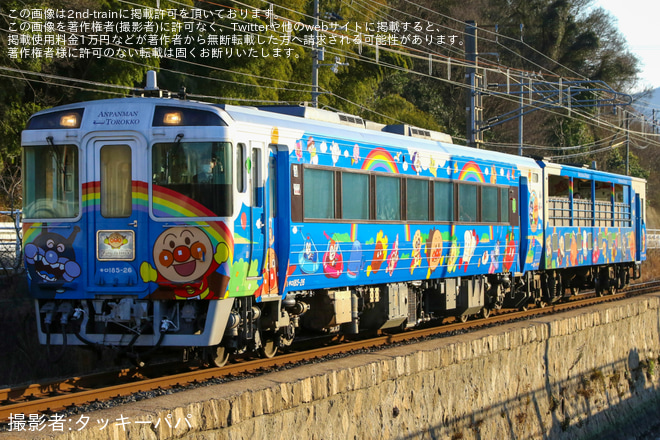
pixel 183 254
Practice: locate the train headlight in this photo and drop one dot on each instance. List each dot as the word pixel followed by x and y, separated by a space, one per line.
pixel 172 118
pixel 70 120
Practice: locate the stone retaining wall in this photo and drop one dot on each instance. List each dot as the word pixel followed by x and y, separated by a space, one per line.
pixel 571 376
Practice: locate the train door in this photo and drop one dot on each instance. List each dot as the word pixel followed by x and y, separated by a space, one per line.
pixel 640 229
pixel 118 225
pixel 257 219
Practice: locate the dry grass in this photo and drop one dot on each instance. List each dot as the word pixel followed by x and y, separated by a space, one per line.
pixel 651 267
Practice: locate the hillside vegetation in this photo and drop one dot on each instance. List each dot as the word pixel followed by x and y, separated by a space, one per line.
pixel 393 84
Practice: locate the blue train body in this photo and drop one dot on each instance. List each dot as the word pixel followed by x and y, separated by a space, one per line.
pixel 284 219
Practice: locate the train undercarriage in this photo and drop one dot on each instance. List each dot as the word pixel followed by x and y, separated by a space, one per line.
pixel 138 327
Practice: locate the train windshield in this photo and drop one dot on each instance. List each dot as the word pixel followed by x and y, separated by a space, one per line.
pixel 201 171
pixel 52 189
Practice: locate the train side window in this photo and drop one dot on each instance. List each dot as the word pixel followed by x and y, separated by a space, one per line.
pixel 417 199
pixel 388 198
pixel 504 205
pixel 467 203
pixel 443 201
pixel 355 196
pixel 240 168
pixel 318 193
pixel 116 181
pixel 489 204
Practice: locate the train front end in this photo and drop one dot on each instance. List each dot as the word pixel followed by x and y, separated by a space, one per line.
pixel 128 209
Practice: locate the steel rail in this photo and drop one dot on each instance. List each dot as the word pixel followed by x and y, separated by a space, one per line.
pixel 59 395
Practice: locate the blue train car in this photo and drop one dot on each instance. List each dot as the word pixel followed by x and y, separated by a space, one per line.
pixel 221 229
pixel 595 235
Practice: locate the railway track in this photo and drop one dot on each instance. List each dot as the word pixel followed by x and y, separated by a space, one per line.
pixel 56 396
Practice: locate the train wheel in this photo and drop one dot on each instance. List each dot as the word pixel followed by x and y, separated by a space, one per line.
pixel 485 312
pixel 598 287
pixel 268 348
pixel 218 356
pixel 575 291
pixel 463 318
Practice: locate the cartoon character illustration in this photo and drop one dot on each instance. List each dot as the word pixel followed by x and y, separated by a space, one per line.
pixel 434 246
pixel 509 251
pixel 493 175
pixel 533 211
pixel 393 258
pixel 417 251
pixel 355 261
pixel 356 154
pixel 548 250
pixel 51 258
pixel 186 265
pixel 115 240
pixel 380 251
pixel 574 251
pixel 333 261
pixel 299 150
pixel 270 272
pixel 416 162
pixel 595 255
pixel 454 252
pixel 560 251
pixel 311 148
pixel 470 244
pixel 495 258
pixel 308 259
pixel 433 167
pixel 585 244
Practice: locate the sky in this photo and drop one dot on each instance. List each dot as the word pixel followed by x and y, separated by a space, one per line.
pixel 637 21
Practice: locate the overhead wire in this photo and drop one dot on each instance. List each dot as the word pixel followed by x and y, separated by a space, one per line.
pixel 380 63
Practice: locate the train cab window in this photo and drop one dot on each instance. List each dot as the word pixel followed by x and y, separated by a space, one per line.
pixel 200 171
pixel 417 199
pixel 116 181
pixel 355 196
pixel 443 201
pixel 318 193
pixel 467 203
pixel 388 198
pixel 489 204
pixel 53 189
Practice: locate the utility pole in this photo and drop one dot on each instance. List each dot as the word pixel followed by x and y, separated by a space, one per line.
pixel 315 57
pixel 475 82
pixel 520 115
pixel 627 144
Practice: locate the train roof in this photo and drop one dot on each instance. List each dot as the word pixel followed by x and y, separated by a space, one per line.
pixel 359 133
pixel 342 126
